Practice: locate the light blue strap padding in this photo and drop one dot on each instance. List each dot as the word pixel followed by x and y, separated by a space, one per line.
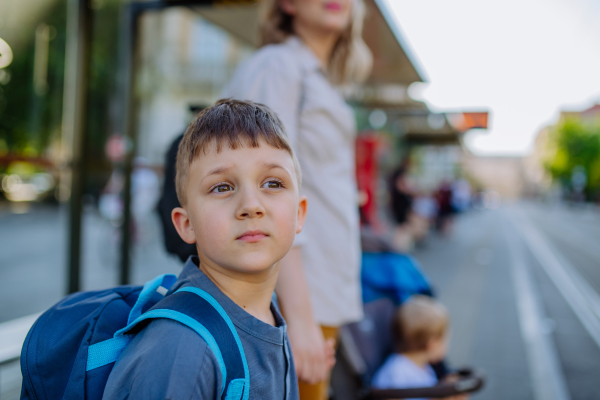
pixel 106 352
pixel 226 318
pixel 235 390
pixel 189 322
pixel 165 280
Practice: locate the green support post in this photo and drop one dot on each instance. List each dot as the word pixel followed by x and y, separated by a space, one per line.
pixel 79 18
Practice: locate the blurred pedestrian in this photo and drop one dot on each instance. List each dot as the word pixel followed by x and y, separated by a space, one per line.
pixel 145 191
pixel 423 215
pixel 309 47
pixel 461 195
pixel 445 209
pixel 401 201
pixel 400 196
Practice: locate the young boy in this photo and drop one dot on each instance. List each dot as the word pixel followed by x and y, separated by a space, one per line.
pixel 238 183
pixel 421 334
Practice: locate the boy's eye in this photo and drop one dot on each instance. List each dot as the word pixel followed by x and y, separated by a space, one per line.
pixel 222 188
pixel 272 185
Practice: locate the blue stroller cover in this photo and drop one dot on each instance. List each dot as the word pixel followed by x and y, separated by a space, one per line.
pixel 392 275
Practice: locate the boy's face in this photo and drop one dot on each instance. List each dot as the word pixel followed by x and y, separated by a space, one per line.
pixel 243 208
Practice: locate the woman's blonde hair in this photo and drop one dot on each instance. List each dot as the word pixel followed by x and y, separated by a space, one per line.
pixel 351 59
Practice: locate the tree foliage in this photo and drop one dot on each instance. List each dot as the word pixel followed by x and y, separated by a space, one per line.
pixel 576 145
pixel 29 120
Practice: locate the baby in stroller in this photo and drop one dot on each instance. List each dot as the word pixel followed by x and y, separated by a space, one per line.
pixel 390 279
pixel 421 336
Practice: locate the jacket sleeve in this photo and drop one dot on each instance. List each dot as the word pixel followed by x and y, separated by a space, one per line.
pixel 271 77
pixel 166 360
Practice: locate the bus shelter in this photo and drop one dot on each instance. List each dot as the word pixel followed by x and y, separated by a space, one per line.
pixel 152 36
pixel 166 58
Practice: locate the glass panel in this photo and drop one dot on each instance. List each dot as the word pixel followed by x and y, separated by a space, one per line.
pixel 32 208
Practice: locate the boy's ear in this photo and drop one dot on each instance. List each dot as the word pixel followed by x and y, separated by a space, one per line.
pixel 302 208
pixel 182 223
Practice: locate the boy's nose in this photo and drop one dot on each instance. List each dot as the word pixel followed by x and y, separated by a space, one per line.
pixel 250 205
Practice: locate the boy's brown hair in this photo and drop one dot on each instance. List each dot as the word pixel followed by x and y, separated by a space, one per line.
pixel 417 321
pixel 231 123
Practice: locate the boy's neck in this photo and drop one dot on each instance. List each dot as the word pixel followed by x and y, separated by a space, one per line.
pixel 420 358
pixel 253 295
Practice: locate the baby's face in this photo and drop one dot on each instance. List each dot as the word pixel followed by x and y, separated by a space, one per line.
pixel 243 207
pixel 438 348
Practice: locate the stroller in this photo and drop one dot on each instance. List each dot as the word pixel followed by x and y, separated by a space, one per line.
pixel 388 279
pixel 364 346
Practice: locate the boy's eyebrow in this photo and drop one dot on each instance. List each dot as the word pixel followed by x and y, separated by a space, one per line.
pixel 216 171
pixel 221 170
pixel 273 165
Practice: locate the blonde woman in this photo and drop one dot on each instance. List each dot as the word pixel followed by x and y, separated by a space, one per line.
pixel 308 48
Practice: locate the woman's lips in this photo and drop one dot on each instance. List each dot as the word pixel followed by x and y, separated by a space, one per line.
pixel 333 6
pixel 252 236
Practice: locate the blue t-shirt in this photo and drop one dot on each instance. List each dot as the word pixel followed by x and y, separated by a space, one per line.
pixel 168 360
pixel 400 372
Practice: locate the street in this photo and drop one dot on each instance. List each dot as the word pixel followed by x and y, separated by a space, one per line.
pixel 521 284
pixel 34 256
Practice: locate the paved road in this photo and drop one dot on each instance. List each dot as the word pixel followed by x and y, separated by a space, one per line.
pixel 522 286
pixel 33 257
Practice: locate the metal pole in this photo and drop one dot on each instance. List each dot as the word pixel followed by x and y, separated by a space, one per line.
pixel 130 23
pixel 74 124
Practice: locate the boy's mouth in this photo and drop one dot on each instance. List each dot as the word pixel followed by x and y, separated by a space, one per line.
pixel 252 236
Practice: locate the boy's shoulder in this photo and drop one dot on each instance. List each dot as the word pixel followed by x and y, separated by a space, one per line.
pixel 166 359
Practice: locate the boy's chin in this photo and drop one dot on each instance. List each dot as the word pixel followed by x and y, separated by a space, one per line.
pixel 254 265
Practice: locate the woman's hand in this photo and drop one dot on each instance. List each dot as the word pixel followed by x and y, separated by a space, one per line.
pixel 313 355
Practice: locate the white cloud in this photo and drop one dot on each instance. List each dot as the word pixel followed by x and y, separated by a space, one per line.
pixel 522 59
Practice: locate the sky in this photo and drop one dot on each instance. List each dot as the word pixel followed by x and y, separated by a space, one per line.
pixel 523 60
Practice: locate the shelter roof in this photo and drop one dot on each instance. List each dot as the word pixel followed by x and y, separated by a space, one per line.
pixel 418 125
pixel 393 61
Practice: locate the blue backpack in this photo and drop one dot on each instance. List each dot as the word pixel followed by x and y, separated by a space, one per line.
pixel 71 349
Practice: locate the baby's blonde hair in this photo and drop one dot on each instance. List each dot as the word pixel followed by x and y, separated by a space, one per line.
pixel 417 321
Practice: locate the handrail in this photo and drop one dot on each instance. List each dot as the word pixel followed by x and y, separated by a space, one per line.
pixel 12 336
pixel 467 381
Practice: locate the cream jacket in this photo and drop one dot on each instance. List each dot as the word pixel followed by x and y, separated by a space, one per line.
pixel 287 77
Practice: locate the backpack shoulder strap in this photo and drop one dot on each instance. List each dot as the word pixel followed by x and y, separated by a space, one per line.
pixel 200 311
